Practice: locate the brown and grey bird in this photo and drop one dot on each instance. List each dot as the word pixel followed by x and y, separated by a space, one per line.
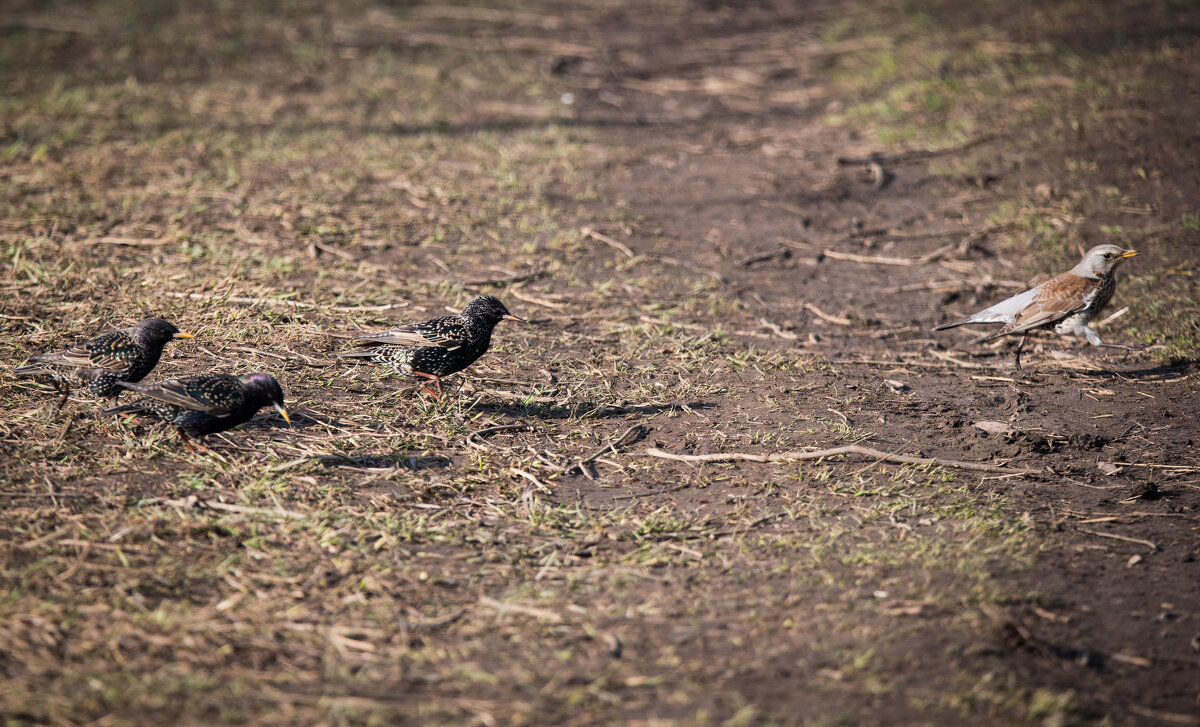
pixel 99 365
pixel 1067 303
pixel 439 347
pixel 205 404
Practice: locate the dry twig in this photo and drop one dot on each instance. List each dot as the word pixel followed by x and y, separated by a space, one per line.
pixel 533 480
pixel 600 237
pixel 503 607
pixel 777 330
pixel 475 443
pixel 836 320
pixel 835 451
pixel 1111 318
pixel 782 253
pixel 873 259
pixel 609 446
pixel 514 292
pixel 1152 546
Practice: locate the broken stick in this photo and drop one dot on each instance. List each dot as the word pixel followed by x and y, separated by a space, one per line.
pixel 835 451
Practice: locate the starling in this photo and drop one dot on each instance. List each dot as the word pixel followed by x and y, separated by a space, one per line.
pixel 99 365
pixel 206 404
pixel 1067 303
pixel 438 347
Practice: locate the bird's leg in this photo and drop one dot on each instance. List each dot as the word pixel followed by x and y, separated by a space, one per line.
pixel 187 442
pixel 1123 347
pixel 1094 339
pixel 192 446
pixel 1019 347
pixel 435 379
pixel 63 388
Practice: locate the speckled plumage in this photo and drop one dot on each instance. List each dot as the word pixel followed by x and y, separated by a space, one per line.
pixel 99 365
pixel 1067 302
pixel 205 404
pixel 437 347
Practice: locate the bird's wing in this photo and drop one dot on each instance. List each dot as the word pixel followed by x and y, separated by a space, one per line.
pixel 443 332
pixel 218 397
pixel 1002 312
pixel 1058 298
pixel 110 352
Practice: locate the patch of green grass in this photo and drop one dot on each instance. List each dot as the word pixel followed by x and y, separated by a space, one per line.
pixel 996 694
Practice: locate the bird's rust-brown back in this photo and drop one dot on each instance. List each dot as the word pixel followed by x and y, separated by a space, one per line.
pixel 1059 297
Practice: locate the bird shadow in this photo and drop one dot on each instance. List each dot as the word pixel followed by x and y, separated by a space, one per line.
pixel 586 409
pixel 1155 372
pixel 269 423
pixel 382 461
pixel 304 419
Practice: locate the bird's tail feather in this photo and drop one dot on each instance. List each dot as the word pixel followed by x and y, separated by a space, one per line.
pixel 28 369
pixel 952 324
pixel 133 408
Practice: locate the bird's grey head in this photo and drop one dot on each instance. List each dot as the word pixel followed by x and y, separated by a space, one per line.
pixel 489 309
pixel 263 389
pixel 1101 260
pixel 156 332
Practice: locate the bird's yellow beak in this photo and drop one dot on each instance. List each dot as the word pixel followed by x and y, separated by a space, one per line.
pixel 183 334
pixel 511 317
pixel 1128 253
pixel 283 413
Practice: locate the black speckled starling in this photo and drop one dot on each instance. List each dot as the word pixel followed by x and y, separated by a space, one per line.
pixel 99 365
pixel 438 347
pixel 206 404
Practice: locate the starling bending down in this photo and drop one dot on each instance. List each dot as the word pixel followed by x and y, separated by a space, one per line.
pixel 206 404
pixel 99 365
pixel 438 347
pixel 1067 303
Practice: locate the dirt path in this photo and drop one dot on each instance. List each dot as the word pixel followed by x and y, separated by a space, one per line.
pixel 855 265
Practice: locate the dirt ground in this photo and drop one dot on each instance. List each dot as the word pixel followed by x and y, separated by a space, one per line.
pixel 733 227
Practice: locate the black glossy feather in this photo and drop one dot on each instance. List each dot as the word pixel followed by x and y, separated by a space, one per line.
pixel 205 404
pixel 439 346
pixel 100 364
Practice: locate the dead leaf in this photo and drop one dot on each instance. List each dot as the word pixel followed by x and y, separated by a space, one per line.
pixel 1108 468
pixel 993 427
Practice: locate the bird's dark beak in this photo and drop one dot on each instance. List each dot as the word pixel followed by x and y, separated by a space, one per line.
pixel 182 334
pixel 283 413
pixel 511 317
pixel 1128 253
